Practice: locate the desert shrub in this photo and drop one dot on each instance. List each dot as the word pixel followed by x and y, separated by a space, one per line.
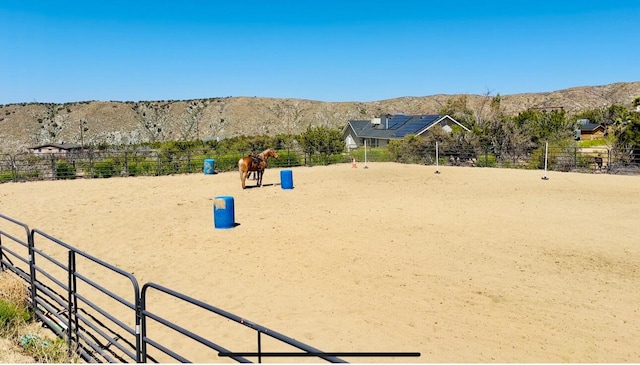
pixel 229 162
pixel 286 159
pixel 142 167
pixel 105 168
pixel 65 170
pixel 537 159
pixel 46 350
pixel 6 176
pixel 195 164
pixel 13 301
pixel 12 314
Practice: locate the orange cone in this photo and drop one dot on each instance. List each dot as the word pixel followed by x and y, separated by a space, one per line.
pixel 353 163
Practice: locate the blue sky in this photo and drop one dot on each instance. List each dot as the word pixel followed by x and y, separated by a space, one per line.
pixel 344 50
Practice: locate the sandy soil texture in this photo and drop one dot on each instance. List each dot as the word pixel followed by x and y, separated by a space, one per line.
pixel 469 265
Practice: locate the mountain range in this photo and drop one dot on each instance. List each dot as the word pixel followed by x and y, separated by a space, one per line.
pixel 127 122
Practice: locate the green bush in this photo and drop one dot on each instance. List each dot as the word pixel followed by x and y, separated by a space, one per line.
pixel 6 176
pixel 286 159
pixel 45 350
pixel 12 314
pixel 65 170
pixel 195 164
pixel 143 167
pixel 230 162
pixel 105 168
pixel 488 160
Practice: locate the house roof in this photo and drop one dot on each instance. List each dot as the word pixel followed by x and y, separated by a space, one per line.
pixel 398 126
pixel 590 127
pixel 62 146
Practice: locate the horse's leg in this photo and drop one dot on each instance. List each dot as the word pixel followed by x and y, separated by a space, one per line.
pixel 243 177
pixel 260 172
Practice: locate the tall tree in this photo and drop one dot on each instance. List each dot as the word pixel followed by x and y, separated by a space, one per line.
pixel 323 140
pixel 553 126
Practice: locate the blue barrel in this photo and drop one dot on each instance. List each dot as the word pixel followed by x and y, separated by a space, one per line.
pixel 223 212
pixel 209 164
pixel 286 179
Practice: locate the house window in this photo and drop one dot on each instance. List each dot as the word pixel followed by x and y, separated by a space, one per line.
pixel 373 142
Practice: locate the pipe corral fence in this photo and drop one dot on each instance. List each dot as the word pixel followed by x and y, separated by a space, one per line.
pixel 90 163
pixel 106 316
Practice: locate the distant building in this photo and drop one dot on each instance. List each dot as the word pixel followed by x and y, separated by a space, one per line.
pixel 377 132
pixel 55 148
pixel 589 131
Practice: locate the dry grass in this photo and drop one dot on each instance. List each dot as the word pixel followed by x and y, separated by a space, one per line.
pixel 25 341
pixel 13 289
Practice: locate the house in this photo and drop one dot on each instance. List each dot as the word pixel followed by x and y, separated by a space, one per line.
pixel 378 132
pixel 55 148
pixel 588 131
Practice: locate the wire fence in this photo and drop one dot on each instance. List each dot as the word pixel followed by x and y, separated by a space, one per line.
pixel 111 163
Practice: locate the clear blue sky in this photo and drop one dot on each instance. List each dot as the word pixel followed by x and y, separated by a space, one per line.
pixel 343 50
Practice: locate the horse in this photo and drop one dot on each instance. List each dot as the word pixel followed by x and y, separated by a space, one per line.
pixel 598 161
pixel 255 163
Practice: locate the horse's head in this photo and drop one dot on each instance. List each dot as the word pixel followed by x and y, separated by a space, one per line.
pixel 271 153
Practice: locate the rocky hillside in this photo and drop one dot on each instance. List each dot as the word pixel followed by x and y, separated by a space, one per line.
pixel 27 124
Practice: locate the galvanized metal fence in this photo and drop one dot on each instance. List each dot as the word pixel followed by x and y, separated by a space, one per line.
pixel 104 315
pixel 105 164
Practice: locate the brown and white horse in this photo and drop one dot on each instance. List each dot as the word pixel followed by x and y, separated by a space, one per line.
pixel 256 163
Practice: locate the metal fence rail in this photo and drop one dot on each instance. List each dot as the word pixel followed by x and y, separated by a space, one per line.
pixel 105 164
pixel 90 329
pixel 259 330
pixel 104 316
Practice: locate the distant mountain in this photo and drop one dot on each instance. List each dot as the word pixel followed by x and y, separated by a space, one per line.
pixel 29 124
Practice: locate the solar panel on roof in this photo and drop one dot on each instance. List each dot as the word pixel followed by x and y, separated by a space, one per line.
pixel 415 125
pixel 397 120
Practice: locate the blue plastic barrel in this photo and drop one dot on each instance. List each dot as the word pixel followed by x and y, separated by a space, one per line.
pixel 286 179
pixel 209 164
pixel 223 212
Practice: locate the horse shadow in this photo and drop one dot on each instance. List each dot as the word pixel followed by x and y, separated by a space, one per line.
pixel 263 185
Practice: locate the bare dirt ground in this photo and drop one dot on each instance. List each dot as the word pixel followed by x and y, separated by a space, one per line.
pixel 469 265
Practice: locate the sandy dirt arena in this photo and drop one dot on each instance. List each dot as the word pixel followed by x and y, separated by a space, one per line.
pixel 469 265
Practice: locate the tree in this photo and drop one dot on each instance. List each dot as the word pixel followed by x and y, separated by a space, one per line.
pixel 510 140
pixel 458 108
pixel 627 136
pixel 418 149
pixel 323 140
pixel 615 114
pixel 544 126
pixel 593 115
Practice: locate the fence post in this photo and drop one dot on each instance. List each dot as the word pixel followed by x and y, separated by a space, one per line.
pixel 486 156
pixel 90 162
pixel 126 163
pixel 32 269
pixel 53 166
pixel 72 301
